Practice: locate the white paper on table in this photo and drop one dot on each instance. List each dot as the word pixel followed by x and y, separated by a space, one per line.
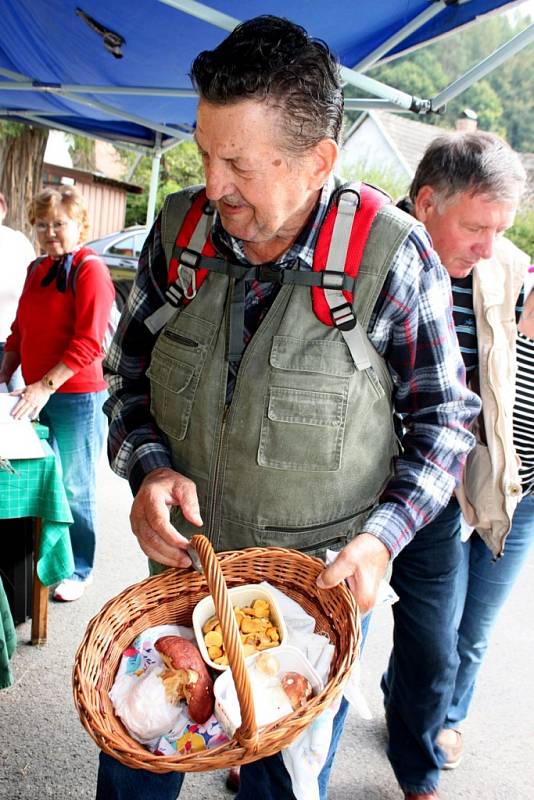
pixel 18 437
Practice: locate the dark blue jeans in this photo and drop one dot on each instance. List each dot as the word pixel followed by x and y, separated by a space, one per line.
pixel 423 663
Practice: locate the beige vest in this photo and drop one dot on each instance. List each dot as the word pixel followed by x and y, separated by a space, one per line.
pixel 491 488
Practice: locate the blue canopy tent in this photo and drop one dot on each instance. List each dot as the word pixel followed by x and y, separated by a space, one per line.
pixel 119 71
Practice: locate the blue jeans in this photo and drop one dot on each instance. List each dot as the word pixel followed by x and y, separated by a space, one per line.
pixel 77 429
pixel 418 683
pixel 484 586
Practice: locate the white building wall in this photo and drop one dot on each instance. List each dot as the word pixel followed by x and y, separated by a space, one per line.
pixel 369 147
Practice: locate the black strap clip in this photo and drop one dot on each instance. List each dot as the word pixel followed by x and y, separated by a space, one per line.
pixel 343 317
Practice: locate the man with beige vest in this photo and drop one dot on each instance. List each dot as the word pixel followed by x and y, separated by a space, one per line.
pixel 466 191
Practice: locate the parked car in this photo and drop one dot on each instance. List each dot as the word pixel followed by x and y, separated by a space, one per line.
pixel 120 252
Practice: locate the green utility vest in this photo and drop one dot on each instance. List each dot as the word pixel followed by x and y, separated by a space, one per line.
pixel 302 453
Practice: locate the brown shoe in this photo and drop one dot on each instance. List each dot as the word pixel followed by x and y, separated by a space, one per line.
pixel 450 741
pixel 232 779
pixel 427 796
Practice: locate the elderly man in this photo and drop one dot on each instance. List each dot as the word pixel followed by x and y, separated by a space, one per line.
pixel 249 416
pixel 466 191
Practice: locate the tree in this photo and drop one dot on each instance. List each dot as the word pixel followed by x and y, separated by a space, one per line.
pixel 82 152
pixel 483 98
pixel 22 150
pixel 500 99
pixel 179 168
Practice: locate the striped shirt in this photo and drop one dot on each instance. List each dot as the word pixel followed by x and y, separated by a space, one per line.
pixel 465 321
pixel 523 415
pixel 411 327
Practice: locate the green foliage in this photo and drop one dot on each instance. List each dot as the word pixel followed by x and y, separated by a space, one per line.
pixel 501 99
pixel 522 233
pixel 82 152
pixel 395 186
pixel 9 130
pixel 179 167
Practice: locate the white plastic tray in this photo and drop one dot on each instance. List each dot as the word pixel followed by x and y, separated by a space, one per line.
pixel 241 596
pixel 226 703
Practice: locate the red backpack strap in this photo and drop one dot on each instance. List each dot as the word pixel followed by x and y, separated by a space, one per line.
pixel 184 276
pixel 192 239
pixel 341 243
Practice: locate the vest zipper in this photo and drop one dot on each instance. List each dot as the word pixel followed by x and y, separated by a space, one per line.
pixel 216 476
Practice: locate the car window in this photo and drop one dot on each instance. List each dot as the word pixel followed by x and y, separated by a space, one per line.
pixel 139 242
pixel 124 247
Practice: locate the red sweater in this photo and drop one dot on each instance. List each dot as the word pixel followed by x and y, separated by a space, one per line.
pixel 53 326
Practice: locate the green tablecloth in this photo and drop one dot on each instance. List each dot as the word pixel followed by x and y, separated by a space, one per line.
pixel 8 640
pixel 36 490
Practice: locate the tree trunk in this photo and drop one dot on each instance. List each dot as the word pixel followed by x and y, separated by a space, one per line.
pixel 21 165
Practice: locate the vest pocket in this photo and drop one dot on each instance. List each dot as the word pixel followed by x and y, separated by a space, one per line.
pixel 172 390
pixel 302 430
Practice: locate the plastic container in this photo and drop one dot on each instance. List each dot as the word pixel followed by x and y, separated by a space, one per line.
pixel 242 597
pixel 269 705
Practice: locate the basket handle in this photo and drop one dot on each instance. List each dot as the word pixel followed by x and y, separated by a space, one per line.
pixel 247 733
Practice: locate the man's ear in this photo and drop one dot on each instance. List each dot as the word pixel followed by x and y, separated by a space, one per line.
pixel 424 203
pixel 323 158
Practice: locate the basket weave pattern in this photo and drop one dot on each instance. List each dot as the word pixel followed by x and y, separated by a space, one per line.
pixel 169 598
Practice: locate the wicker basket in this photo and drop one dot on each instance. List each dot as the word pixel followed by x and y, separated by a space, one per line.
pixel 169 598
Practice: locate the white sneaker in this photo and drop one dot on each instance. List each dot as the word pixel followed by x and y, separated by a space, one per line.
pixel 69 590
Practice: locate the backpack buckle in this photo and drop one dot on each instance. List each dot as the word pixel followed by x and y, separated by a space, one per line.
pixel 332 279
pixel 270 274
pixel 189 258
pixel 344 317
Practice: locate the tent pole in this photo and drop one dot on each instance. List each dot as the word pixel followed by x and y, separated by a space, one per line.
pixel 154 177
pixel 385 92
pixel 400 36
pixel 480 70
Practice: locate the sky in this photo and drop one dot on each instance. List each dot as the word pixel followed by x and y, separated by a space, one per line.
pixel 526 8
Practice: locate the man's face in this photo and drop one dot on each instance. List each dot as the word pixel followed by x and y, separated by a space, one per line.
pixel 465 231
pixel 263 195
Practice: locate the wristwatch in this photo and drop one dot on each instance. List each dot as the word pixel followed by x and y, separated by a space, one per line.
pixel 49 383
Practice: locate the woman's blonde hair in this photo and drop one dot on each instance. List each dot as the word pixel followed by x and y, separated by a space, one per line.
pixel 66 196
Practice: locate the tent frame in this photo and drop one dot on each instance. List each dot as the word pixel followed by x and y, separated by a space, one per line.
pixel 385 97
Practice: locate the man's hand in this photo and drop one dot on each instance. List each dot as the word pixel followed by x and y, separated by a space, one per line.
pixel 363 563
pixel 150 518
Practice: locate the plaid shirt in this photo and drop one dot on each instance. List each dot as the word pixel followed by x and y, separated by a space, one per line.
pixel 411 327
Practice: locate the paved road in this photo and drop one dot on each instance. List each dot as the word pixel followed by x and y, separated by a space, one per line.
pixel 45 753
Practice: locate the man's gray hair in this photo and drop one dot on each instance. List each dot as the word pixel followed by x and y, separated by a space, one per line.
pixel 477 163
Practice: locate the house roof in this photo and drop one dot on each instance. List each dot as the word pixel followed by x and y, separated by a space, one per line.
pixel 409 137
pixel 84 176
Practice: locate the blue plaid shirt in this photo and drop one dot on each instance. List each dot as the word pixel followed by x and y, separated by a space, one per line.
pixel 411 327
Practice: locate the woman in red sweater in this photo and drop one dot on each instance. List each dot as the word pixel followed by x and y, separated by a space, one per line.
pixel 56 338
